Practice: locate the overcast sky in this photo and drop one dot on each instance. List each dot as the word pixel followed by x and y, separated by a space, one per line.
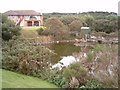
pixel 62 6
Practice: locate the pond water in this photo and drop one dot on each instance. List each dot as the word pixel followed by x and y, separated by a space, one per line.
pixel 63 51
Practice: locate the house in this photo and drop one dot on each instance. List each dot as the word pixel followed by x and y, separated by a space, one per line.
pixel 25 18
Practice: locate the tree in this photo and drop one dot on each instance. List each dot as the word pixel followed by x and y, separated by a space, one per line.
pixel 75 26
pixel 68 19
pixel 56 29
pixel 8 28
pixel 89 20
pixel 108 25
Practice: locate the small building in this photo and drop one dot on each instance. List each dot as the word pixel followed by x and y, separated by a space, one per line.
pixel 84 33
pixel 25 18
pixel 85 30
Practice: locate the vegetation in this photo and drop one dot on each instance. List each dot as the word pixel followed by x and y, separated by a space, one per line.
pixel 69 18
pixel 75 26
pixel 89 20
pixel 104 59
pixel 55 28
pixel 29 33
pixel 92 83
pixel 76 70
pixel 8 28
pixel 56 77
pixel 16 80
pixel 93 52
pixel 98 21
pixel 40 30
pixel 30 28
pixel 30 59
pixel 107 25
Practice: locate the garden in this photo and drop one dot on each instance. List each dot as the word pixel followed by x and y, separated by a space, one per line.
pixel 29 54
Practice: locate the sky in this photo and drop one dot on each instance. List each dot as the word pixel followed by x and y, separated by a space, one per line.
pixel 62 6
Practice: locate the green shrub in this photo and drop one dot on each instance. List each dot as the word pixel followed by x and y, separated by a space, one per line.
pixel 92 83
pixel 97 48
pixel 24 56
pixel 76 70
pixel 108 25
pixel 40 30
pixel 89 56
pixel 8 28
pixel 54 76
pixel 94 51
pixel 56 29
pixel 75 26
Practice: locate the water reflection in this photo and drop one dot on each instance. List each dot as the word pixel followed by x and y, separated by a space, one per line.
pixel 62 49
pixel 65 62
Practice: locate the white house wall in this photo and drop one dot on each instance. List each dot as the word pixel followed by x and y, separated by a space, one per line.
pixel 23 22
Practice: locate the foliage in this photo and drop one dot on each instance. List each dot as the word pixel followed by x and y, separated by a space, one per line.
pixel 24 56
pixel 89 20
pixel 68 19
pixel 108 25
pixel 98 21
pixel 40 30
pixel 57 78
pixel 104 64
pixel 56 29
pixel 89 56
pixel 76 70
pixel 54 76
pixel 92 53
pixel 92 83
pixel 8 28
pixel 75 26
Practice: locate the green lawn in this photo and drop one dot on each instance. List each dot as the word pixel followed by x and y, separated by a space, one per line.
pixel 15 80
pixel 29 32
pixel 30 28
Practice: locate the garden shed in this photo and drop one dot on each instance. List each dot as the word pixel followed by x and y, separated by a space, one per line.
pixel 85 30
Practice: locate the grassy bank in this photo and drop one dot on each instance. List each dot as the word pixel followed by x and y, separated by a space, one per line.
pixel 29 32
pixel 15 80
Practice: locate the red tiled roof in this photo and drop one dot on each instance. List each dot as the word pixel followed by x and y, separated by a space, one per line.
pixel 22 12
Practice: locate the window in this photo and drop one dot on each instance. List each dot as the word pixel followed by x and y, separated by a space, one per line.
pixel 33 17
pixel 11 16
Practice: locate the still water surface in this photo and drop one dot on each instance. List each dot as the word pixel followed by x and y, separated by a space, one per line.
pixel 63 51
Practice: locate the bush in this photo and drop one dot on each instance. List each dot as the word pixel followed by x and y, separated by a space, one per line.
pixel 76 70
pixel 89 20
pixel 108 25
pixel 55 76
pixel 40 30
pixel 56 29
pixel 75 26
pixel 89 56
pixel 92 53
pixel 24 56
pixel 8 28
pixel 92 83
pixel 104 64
